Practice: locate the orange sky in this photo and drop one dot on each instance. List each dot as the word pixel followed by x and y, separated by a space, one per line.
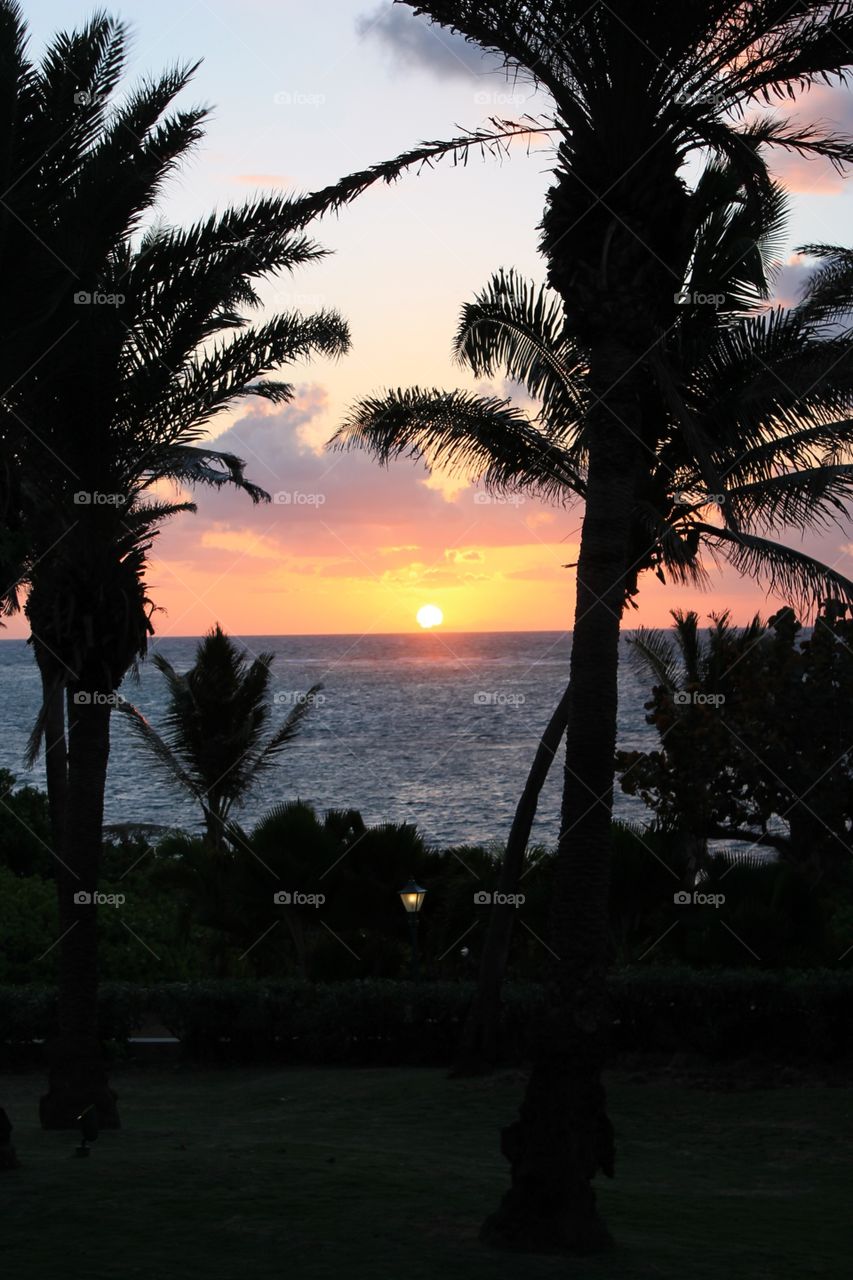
pixel 347 546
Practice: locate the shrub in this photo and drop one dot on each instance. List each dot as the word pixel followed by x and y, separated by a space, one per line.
pixel 805 1015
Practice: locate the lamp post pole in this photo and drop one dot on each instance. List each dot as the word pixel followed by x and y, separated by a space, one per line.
pixel 413 935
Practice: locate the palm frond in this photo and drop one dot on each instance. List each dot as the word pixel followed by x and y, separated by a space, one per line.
pixel 481 438
pixel 188 464
pixel 270 750
pixel 160 750
pixel 828 294
pixel 518 330
pixel 653 651
pixel 493 139
pixel 811 496
pixel 788 573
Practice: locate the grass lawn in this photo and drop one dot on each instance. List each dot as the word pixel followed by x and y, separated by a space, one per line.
pixel 386 1175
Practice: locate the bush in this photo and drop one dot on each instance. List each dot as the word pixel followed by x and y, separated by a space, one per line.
pixel 805 1015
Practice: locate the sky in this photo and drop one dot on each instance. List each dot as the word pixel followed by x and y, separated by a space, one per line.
pixel 302 94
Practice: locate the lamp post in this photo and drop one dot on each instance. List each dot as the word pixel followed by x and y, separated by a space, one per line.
pixel 412 897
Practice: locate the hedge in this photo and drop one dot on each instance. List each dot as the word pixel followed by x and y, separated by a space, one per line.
pixel 727 1013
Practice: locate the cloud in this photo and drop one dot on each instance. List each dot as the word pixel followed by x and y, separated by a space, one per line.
pixel 417 44
pixel 458 556
pixel 825 108
pixel 334 508
pixel 790 282
pixel 807 177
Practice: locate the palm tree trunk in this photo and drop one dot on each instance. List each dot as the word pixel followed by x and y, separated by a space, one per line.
pixel 564 1136
pixel 78 1077
pixel 55 755
pixel 478 1046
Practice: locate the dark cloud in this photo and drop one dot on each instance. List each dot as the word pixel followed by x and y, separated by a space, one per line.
pixel 415 43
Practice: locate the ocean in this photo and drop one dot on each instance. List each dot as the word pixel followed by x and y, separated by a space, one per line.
pixel 435 728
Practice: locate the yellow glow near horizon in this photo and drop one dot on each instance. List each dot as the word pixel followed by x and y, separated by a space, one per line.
pixel 429 615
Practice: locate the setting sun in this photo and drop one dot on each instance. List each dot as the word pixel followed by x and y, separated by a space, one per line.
pixel 429 615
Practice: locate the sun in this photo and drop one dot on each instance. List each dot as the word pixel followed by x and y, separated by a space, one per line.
pixel 429 615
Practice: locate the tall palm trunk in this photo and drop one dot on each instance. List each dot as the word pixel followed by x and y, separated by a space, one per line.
pixel 78 1076
pixel 55 751
pixel 564 1137
pixel 478 1045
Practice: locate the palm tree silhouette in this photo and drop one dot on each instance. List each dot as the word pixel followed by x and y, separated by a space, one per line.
pixel 218 742
pixel 635 94
pixel 149 342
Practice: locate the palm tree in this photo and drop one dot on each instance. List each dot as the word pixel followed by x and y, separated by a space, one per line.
pixel 680 664
pixel 155 345
pixel 515 329
pixel 637 89
pixel 218 741
pixel 641 434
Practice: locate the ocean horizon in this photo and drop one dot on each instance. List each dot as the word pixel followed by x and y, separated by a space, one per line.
pixel 435 728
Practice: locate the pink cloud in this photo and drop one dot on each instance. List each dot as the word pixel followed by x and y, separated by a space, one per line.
pixel 334 506
pixel 807 177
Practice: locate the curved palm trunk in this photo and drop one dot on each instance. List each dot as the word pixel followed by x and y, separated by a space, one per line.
pixel 564 1137
pixel 55 754
pixel 78 1077
pixel 478 1046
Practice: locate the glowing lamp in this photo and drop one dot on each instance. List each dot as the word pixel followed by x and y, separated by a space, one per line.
pixel 412 896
